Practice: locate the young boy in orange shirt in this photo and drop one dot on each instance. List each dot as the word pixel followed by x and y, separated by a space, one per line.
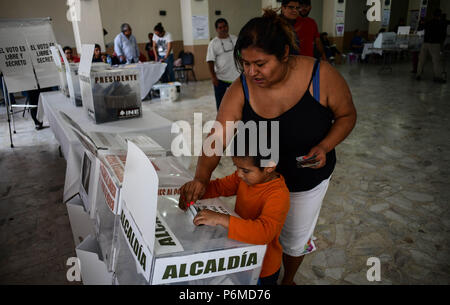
pixel 262 202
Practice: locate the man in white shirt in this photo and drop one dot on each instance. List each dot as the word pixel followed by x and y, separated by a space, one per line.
pixel 221 61
pixel 125 46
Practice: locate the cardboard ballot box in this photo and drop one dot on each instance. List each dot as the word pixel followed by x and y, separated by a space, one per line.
pixel 172 175
pixel 157 243
pixel 74 78
pixel 108 95
pixel 168 91
pixel 185 254
pixel 111 95
pixel 147 239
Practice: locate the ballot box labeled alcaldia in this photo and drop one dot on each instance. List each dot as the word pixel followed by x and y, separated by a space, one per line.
pixel 157 243
pixel 109 95
pixel 171 176
pixel 184 254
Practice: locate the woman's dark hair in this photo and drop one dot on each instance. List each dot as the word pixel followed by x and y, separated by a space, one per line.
pixel 270 33
pixel 159 28
pixel 97 46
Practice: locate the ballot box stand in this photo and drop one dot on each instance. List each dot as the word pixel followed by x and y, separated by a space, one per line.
pixel 203 255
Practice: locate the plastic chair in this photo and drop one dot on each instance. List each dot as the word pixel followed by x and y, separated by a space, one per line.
pixel 187 65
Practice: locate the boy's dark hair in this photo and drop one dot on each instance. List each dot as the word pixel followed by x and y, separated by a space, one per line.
pixel 256 160
pixel 270 33
pixel 67 48
pixel 220 20
pixel 246 147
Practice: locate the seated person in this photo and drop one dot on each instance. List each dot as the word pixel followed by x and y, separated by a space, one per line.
pixel 149 48
pixel 357 44
pixel 262 202
pixel 330 50
pixel 98 56
pixel 69 54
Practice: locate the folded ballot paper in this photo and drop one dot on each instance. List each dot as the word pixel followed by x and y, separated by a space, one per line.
pixel 213 204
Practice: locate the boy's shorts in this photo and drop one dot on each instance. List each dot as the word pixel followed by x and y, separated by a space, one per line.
pixel 301 220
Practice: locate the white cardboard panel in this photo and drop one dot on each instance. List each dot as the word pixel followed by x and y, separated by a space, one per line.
pixel 93 269
pixel 80 221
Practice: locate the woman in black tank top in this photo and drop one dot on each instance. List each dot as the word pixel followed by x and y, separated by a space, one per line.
pixel 310 100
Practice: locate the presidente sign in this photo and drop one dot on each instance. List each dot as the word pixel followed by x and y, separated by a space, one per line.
pixel 205 265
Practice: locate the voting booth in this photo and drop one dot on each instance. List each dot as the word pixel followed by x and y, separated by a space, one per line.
pixel 25 59
pixel 157 243
pixel 131 230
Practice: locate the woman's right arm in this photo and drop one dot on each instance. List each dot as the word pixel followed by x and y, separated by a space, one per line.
pixel 230 111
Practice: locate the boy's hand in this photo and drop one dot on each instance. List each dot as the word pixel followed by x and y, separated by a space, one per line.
pixel 210 218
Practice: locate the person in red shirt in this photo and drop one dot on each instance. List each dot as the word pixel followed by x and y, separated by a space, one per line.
pixel 69 54
pixel 308 32
pixel 262 202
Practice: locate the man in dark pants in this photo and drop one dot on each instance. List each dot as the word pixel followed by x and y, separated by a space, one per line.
pixel 33 98
pixel 435 34
pixel 220 60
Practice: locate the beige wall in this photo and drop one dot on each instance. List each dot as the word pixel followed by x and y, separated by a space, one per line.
pixel 234 12
pixel 355 18
pixel 56 9
pixel 317 13
pixel 142 15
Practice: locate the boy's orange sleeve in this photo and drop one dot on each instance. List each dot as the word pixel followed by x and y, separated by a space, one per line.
pixel 267 226
pixel 222 187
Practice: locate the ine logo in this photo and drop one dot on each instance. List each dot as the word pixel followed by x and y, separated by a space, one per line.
pixel 74 272
pixel 374 272
pixel 374 12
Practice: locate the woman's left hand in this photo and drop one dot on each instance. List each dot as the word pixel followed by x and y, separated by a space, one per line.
pixel 321 156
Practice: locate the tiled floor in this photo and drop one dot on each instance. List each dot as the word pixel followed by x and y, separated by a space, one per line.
pixel 389 197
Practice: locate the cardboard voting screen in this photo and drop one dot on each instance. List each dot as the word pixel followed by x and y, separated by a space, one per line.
pixel 15 60
pixel 138 205
pixel 25 56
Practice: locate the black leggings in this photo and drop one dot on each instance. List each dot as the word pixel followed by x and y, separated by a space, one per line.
pixel 270 280
pixel 33 99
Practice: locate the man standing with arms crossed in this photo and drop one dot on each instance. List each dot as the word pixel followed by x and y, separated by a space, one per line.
pixel 221 61
pixel 308 32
